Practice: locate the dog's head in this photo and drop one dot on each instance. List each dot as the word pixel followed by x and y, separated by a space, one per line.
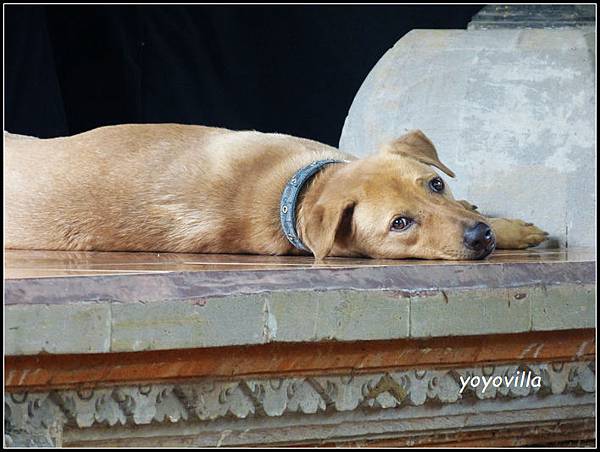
pixel 393 205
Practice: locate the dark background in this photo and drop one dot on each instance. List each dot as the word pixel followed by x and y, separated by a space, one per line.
pixel 289 69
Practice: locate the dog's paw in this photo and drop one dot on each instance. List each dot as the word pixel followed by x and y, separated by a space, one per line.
pixel 467 205
pixel 516 234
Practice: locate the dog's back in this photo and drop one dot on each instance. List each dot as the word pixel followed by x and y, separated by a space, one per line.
pixel 88 191
pixel 160 187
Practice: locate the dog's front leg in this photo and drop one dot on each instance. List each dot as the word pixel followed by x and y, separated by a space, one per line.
pixel 512 234
pixel 516 234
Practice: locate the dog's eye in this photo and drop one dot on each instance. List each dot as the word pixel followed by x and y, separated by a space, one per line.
pixel 436 184
pixel 401 223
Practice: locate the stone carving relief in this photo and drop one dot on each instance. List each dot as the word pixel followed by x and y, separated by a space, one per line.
pixel 40 413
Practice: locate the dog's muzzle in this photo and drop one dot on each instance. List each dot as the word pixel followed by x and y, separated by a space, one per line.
pixel 480 239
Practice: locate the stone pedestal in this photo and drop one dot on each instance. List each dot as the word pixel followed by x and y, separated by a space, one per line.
pixel 136 349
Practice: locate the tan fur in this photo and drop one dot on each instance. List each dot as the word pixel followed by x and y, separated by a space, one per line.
pixel 183 188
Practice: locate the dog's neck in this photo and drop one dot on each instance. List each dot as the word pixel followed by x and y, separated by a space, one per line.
pixel 309 196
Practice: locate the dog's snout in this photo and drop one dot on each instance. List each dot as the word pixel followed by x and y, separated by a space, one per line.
pixel 480 239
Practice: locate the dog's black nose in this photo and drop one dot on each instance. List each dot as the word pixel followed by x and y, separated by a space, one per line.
pixel 480 239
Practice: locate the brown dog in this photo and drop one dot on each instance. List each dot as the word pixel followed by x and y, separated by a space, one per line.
pixel 181 188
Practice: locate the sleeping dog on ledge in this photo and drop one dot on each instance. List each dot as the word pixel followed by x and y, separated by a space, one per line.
pixel 194 189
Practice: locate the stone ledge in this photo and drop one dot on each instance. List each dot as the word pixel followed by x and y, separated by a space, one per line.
pixel 183 310
pixel 407 277
pixel 295 316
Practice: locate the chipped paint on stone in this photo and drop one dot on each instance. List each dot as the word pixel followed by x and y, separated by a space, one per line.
pixel 270 325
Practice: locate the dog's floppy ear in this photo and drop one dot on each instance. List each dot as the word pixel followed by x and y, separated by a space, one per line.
pixel 416 145
pixel 322 225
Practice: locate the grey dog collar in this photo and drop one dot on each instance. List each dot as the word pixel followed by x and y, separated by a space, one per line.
pixel 289 198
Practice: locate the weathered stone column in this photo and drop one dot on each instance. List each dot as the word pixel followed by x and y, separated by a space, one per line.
pixel 510 104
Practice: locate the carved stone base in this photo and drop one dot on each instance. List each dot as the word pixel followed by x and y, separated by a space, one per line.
pixel 414 406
